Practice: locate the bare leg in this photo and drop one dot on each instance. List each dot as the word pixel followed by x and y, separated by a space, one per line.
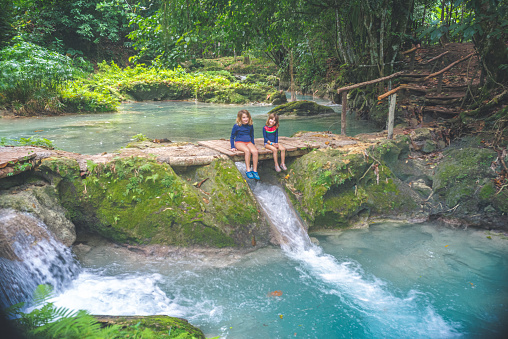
pixel 245 149
pixel 282 154
pixel 255 156
pixel 275 155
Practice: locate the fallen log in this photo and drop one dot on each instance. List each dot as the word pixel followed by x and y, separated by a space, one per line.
pixel 435 58
pixel 448 67
pixel 410 50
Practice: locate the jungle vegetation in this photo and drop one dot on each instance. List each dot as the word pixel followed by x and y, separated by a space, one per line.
pixel 49 43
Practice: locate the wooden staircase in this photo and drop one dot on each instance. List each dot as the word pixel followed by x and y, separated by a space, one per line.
pixel 440 97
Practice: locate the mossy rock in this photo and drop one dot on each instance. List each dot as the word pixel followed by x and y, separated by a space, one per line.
pixel 153 326
pixel 302 108
pixel 462 178
pixel 254 78
pixel 230 204
pixel 137 200
pixel 278 98
pixel 330 188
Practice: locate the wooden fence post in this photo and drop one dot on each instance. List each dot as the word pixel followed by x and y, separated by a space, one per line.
pixel 391 115
pixel 343 115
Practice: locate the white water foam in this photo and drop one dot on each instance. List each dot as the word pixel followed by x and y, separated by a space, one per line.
pixel 129 294
pixel 119 295
pixel 385 314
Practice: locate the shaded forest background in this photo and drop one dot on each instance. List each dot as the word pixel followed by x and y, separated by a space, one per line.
pixel 326 43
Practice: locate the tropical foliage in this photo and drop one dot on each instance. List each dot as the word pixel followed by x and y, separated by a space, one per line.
pixel 319 41
pixel 45 320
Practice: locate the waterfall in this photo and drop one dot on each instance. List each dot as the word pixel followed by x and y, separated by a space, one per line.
pixel 32 257
pixel 384 313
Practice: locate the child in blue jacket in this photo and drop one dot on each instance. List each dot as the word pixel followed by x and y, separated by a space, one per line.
pixel 242 139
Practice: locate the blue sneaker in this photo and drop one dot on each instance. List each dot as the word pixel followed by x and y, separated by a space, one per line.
pixel 250 175
pixel 255 175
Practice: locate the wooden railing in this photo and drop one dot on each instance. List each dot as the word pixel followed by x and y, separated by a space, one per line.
pixel 344 91
pixel 393 93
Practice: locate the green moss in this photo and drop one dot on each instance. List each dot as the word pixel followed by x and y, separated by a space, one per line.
pixel 460 172
pixel 322 183
pixel 139 200
pixel 229 202
pixel 156 326
pixel 59 168
pixel 330 188
pixel 338 209
pixel 487 191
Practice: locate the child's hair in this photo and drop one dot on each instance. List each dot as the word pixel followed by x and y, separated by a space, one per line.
pixel 273 116
pixel 239 117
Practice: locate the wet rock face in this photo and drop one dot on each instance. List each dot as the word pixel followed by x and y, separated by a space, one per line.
pixel 465 181
pixel 42 202
pixel 17 228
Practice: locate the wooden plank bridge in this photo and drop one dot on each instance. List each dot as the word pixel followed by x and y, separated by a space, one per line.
pixel 13 160
pixel 294 147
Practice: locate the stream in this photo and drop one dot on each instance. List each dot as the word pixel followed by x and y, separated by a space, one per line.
pixel 177 121
pixel 386 281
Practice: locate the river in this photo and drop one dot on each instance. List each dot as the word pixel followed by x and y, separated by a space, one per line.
pixel 385 281
pixel 174 120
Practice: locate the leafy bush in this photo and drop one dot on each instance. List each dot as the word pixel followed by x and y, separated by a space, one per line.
pixel 31 76
pixel 77 96
pixel 140 137
pixel 219 86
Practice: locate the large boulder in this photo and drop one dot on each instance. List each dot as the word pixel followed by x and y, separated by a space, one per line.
pixel 141 201
pixel 332 188
pixel 302 108
pixel 465 181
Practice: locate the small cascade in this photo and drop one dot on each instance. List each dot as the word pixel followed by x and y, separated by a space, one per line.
pixel 410 316
pixel 31 257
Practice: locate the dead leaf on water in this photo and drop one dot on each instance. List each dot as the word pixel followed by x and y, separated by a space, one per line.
pixel 277 293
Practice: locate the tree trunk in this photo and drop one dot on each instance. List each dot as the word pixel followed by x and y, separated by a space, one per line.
pixel 293 95
pixel 491 46
pixel 343 113
pixel 444 37
pixel 339 37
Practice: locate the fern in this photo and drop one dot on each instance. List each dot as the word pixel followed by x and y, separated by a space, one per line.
pixel 49 321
